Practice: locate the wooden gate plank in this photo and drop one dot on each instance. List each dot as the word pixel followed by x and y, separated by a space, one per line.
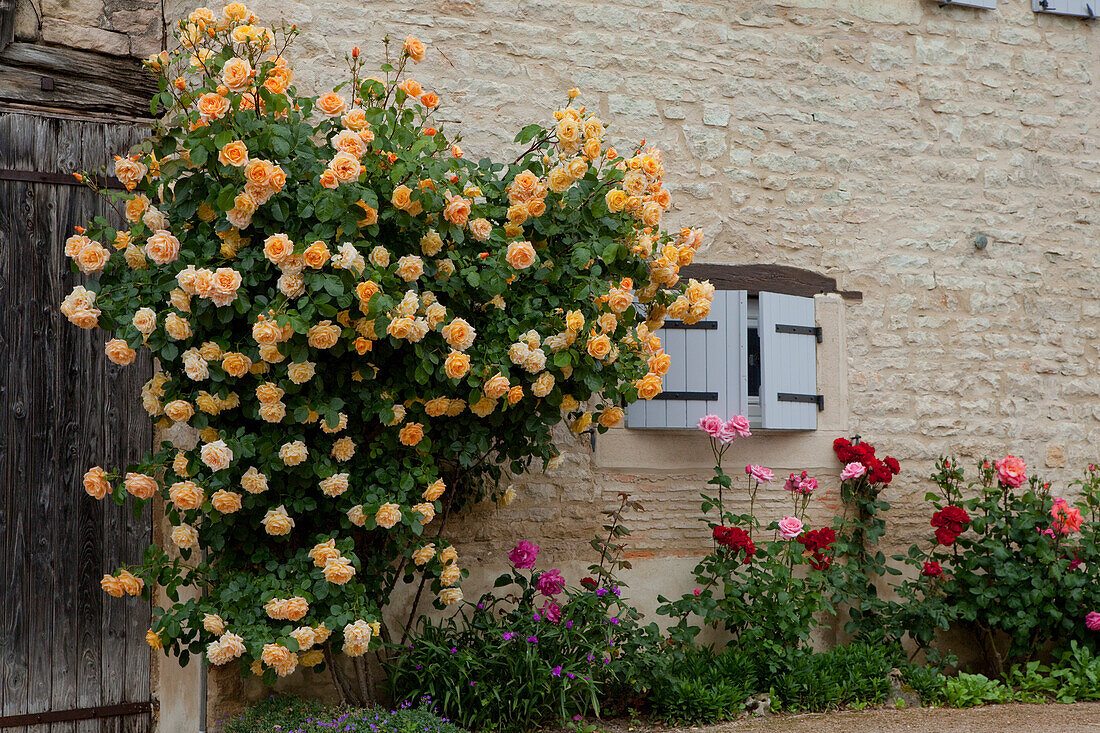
pixel 63 644
pixel 14 227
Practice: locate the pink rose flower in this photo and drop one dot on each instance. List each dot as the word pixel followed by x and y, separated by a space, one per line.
pixel 1011 471
pixel 1092 621
pixel 1067 518
pixel 523 555
pixel 855 469
pixel 711 425
pixel 738 425
pixel 761 474
pixel 697 592
pixel 790 527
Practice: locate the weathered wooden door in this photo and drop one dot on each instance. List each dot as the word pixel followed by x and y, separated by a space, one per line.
pixel 70 656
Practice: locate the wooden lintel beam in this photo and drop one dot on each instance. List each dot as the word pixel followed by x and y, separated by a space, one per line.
pixel 81 81
pixel 768 278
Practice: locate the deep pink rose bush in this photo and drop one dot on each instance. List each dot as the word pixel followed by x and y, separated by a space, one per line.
pixel 541 645
pixel 1015 566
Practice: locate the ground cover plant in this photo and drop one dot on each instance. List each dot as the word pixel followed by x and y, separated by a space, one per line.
pixel 365 327
pixel 291 714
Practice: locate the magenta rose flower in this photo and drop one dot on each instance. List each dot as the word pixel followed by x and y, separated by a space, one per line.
pixel 761 474
pixel 551 611
pixel 523 555
pixel 1092 621
pixel 790 527
pixel 1011 471
pixel 855 469
pixel 711 425
pixel 551 582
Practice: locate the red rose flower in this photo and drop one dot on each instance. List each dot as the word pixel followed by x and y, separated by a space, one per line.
pixel 932 570
pixel 588 582
pixel 892 464
pixel 735 539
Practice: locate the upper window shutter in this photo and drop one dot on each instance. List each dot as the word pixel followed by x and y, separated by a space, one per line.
pixel 788 362
pixel 708 373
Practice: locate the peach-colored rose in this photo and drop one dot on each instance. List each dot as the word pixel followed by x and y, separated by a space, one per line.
pixel 217 455
pixel 659 364
pixel 343 449
pixel 119 352
pixel 213 623
pixel 316 255
pixel 162 248
pixel 322 551
pixel 599 346
pixel 649 386
pixel 301 372
pixel 184 536
pixel 411 434
pixel 334 485
pixel 515 394
pixel 380 257
pixel 450 575
pixel 278 79
pixel 226 502
pixel 269 392
pixel 278 248
pixel 234 153
pixel 424 554
pixel 388 515
pixel 414 48
pixel 277 522
pixel 355 119
pixel 140 485
pixel 450 596
pixel 456 365
pixel 111 586
pixel 339 570
pixel 431 101
pixel 186 495
pixel 145 320
pixel 305 637
pixel 93 258
pixel 236 364
pixel 410 267
pixel 95 483
pixel 213 106
pixel 224 284
pixel 293 452
pixel 279 658
pixel 253 481
pixel 331 104
pixel 481 229
pixel 345 166
pixel 457 210
pixel 496 387
pixel 611 416
pixel 459 334
pixel 426 511
pixel 324 335
pixel 129 172
pixel 179 410
pixel 356 515
pixel 520 255
pixel 267 332
pixel 411 87
pixel 130 583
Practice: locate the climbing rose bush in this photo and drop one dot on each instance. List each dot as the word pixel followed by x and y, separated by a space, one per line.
pixel 365 328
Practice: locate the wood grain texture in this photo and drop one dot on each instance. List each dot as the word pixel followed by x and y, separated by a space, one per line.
pixel 63 643
pixel 109 85
pixel 755 279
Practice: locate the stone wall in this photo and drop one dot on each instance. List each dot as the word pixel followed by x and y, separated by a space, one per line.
pixel 116 27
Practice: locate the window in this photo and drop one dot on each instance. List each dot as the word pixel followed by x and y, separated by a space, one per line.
pixel 754 355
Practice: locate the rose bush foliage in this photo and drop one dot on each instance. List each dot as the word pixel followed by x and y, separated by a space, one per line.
pixel 365 327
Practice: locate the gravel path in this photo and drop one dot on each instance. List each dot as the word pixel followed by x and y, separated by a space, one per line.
pixel 1052 718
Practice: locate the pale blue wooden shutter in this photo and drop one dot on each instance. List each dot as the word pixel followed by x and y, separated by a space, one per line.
pixel 788 363
pixel 708 372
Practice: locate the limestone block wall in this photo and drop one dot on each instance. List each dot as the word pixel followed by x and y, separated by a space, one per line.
pixel 116 27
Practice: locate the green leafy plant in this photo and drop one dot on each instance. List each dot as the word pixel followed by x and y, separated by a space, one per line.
pixel 835 678
pixel 1015 567
pixel 970 690
pixel 926 681
pixel 289 714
